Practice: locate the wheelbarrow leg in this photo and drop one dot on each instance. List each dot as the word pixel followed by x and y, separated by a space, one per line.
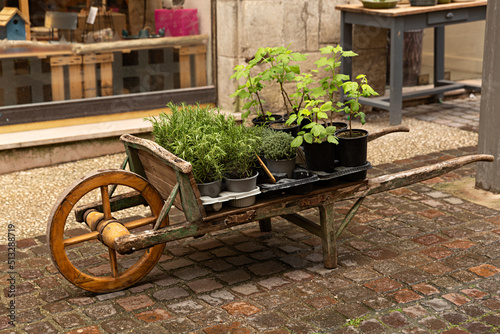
pixel 328 238
pixel 265 225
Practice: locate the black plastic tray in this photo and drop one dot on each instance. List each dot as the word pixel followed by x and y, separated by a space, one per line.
pixel 312 176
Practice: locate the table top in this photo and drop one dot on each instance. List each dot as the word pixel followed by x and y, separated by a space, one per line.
pixel 406 9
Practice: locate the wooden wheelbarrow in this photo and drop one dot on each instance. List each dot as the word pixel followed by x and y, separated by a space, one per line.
pixel 160 180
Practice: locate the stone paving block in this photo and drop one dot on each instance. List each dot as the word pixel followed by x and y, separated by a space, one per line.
pixel 154 315
pixel 378 303
pixel 383 285
pixel 425 288
pixel 234 276
pixel 185 307
pixel 111 295
pixel 395 320
pixel 415 312
pixel 320 302
pixel 266 268
pixel 176 264
pixel 68 320
pixel 298 263
pixel 204 285
pixel 170 294
pixel 217 297
pixel 372 326
pixel 296 310
pixel 234 327
pixel 40 327
pixel 360 275
pixel 273 283
pixel 404 296
pixel 298 275
pixel 85 330
pixel 476 327
pixel 29 316
pixel 485 270
pixel 241 307
pixel 209 316
pixel 246 289
pixel 187 274
pixel 119 325
pixel 99 312
pixel 456 298
pixel 437 304
pixel 327 318
pixel 380 254
pixel 57 307
pixel 135 302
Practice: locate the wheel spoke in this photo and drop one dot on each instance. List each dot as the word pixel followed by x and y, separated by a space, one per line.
pixel 113 262
pixel 81 238
pixel 106 206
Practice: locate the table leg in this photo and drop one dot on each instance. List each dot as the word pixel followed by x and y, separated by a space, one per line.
pixel 328 239
pixel 396 72
pixel 438 58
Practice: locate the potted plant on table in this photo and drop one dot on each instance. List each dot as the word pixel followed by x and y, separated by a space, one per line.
pixel 280 155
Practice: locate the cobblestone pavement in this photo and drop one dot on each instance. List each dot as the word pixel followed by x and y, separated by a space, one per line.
pixel 462 113
pixel 414 260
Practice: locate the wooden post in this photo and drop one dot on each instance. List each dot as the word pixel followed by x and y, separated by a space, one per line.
pixel 488 174
pixel 328 239
pixel 25 9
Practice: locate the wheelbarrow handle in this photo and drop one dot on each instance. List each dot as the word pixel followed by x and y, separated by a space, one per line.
pixel 385 131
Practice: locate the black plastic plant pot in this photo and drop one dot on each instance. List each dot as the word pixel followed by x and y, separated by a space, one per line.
pixel 339 126
pixel 281 126
pixel 353 151
pixel 265 120
pixel 320 156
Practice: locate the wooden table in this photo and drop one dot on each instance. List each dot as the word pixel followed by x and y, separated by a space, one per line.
pixel 398 20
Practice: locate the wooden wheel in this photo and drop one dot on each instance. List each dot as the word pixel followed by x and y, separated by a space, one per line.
pixel 118 276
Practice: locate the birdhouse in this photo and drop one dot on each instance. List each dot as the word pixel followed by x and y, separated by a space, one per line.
pixel 13 24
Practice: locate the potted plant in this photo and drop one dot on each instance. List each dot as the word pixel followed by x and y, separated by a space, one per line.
pixel 353 142
pixel 318 139
pixel 250 91
pixel 242 146
pixel 280 67
pixel 192 133
pixel 280 155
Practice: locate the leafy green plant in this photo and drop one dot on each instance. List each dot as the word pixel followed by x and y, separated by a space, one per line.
pixel 242 144
pixel 315 131
pixel 354 91
pixel 276 146
pixel 318 113
pixel 280 68
pixel 193 134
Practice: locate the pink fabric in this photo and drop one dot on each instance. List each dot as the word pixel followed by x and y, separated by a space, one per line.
pixel 177 22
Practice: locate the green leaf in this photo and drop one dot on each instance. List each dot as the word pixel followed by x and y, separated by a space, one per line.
pixel 332 139
pixel 308 138
pixel 297 142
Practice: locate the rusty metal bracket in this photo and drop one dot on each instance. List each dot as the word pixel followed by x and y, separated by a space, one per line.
pixel 241 218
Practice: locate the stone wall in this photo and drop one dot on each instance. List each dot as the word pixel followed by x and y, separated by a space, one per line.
pixel 306 25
